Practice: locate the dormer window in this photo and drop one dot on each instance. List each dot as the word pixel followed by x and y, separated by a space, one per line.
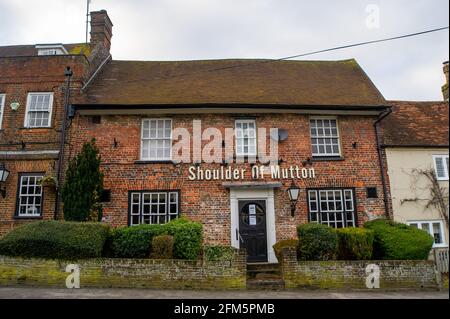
pixel 51 49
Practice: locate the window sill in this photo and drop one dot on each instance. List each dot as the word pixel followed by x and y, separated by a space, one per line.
pixel 154 162
pixel 36 128
pixel 27 217
pixel 327 158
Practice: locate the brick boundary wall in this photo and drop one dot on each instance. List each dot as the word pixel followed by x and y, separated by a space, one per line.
pixel 127 273
pixel 340 274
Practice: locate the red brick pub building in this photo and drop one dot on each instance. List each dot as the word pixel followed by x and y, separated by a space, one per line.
pixel 326 113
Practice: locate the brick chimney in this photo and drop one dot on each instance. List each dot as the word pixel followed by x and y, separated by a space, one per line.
pixel 445 86
pixel 101 33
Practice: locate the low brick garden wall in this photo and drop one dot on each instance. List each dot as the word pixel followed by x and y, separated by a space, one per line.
pixel 127 273
pixel 336 274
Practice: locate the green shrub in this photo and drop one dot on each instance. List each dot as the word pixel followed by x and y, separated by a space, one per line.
pixel 136 241
pixel 187 236
pixel 55 240
pixel 216 253
pixel 316 242
pixel 398 241
pixel 162 247
pixel 284 243
pixel 83 186
pixel 355 243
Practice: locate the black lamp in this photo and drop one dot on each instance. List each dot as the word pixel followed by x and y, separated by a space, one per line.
pixel 4 173
pixel 293 192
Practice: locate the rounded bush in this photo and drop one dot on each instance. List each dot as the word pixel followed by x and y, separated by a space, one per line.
pixel 316 242
pixel 278 247
pixel 162 247
pixel 56 240
pixel 355 243
pixel 188 236
pixel 398 241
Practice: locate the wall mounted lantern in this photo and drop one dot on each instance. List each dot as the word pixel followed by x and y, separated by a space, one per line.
pixel 293 192
pixel 4 173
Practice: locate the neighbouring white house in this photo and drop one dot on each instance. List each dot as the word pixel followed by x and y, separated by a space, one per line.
pixel 416 143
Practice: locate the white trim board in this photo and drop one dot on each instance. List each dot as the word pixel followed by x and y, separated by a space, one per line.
pixel 237 194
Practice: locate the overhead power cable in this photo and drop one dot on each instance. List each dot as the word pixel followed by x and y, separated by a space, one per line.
pixel 303 54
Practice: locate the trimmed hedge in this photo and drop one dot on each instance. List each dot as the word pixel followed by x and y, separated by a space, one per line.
pixel 136 241
pixel 316 242
pixel 218 252
pixel 56 240
pixel 278 247
pixel 398 241
pixel 355 243
pixel 162 247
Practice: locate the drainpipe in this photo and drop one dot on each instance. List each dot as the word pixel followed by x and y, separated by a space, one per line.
pixel 68 74
pixel 380 159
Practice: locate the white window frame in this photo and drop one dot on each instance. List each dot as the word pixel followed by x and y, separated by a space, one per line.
pixel 339 154
pixel 445 159
pixel 347 206
pixel 20 195
pixel 246 121
pixel 430 230
pixel 140 212
pixel 27 110
pixel 156 159
pixel 2 108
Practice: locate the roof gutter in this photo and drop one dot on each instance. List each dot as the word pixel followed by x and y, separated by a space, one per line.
pixel 380 159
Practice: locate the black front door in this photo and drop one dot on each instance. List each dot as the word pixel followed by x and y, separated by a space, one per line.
pixel 252 229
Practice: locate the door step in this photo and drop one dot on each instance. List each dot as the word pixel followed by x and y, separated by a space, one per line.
pixel 264 276
pixel 265 284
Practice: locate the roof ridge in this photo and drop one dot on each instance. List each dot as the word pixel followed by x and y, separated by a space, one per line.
pixel 240 59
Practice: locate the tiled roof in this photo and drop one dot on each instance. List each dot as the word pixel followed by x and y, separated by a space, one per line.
pixel 257 82
pixel 30 50
pixel 416 124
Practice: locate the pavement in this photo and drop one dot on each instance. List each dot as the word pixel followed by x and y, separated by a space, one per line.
pixel 84 293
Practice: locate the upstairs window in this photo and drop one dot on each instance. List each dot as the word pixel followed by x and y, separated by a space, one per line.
pixel 245 138
pixel 2 106
pixel 441 167
pixel 50 49
pixel 156 144
pixel 324 137
pixel 39 110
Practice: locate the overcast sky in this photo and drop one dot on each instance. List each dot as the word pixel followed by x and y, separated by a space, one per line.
pixel 408 69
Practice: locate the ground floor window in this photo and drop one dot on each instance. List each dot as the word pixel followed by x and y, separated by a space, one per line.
pixel 29 195
pixel 332 207
pixel 435 228
pixel 153 207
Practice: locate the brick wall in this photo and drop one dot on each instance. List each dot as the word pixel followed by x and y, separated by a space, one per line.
pixel 209 201
pixel 336 274
pixel 127 273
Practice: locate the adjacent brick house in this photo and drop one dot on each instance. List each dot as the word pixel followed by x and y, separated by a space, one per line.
pixel 326 113
pixel 32 92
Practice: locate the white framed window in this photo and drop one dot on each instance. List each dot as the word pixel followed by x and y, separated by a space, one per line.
pixel 29 199
pixel 441 167
pixel 245 137
pixel 2 108
pixel 39 110
pixel 332 207
pixel 433 227
pixel 324 137
pixel 153 207
pixel 156 139
pixel 50 49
